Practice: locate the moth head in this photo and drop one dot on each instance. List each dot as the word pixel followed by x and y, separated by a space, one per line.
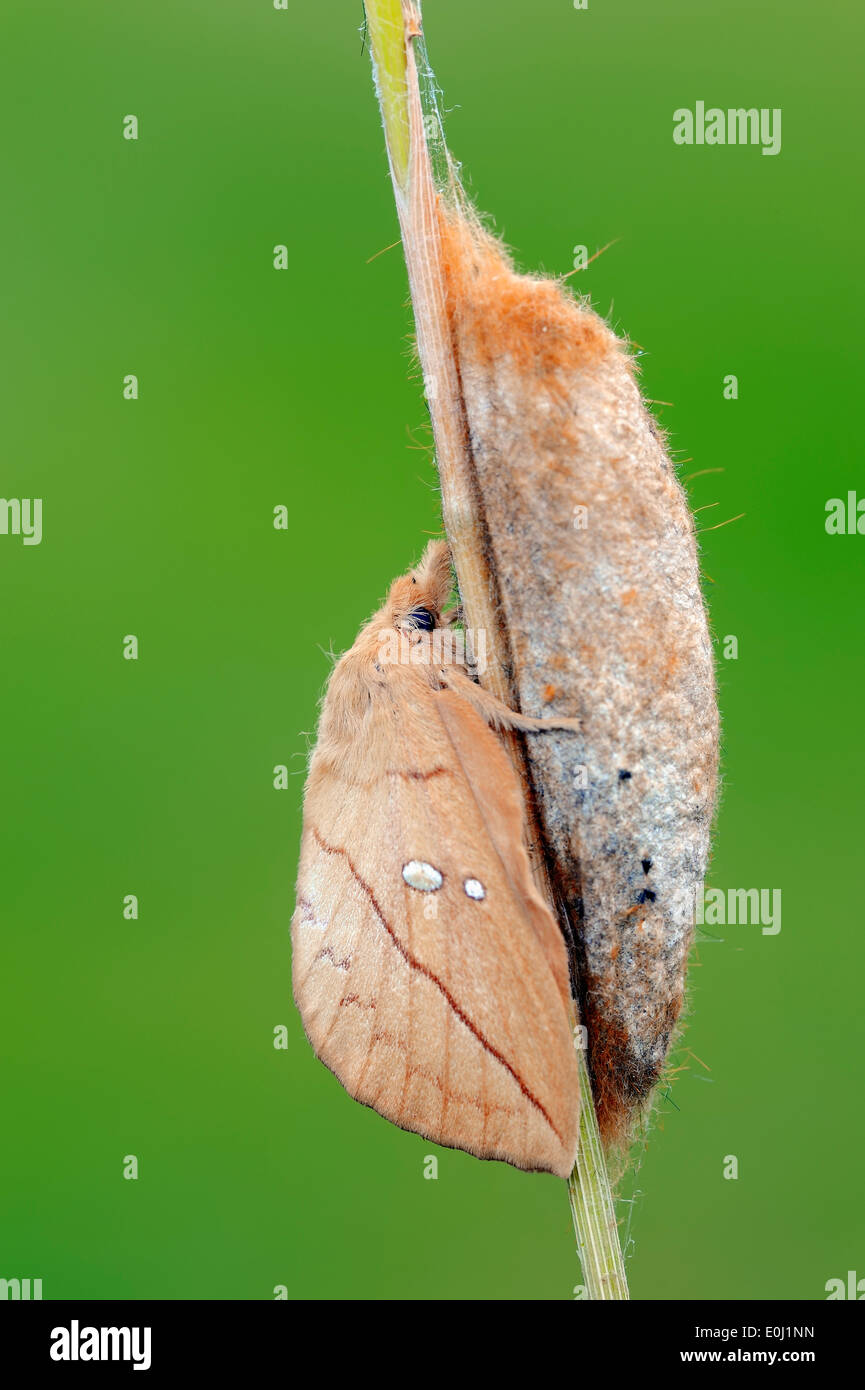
pixel 417 599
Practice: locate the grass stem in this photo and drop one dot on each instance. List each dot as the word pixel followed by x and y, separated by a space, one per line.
pixel 394 26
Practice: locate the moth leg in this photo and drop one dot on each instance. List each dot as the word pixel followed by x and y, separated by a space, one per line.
pixel 496 713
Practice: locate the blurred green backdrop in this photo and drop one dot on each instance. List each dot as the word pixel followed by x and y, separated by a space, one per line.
pixel 257 388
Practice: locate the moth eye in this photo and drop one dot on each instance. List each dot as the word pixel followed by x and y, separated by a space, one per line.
pixel 423 619
pixel 421 876
pixel 474 889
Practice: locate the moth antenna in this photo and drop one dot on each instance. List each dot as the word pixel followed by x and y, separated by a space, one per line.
pixel 434 572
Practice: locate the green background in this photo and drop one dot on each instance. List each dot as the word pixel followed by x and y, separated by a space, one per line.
pixel 260 388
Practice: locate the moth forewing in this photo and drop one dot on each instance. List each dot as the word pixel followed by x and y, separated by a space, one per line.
pixel 429 973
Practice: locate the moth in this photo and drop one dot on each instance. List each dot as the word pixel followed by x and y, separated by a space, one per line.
pixel 430 975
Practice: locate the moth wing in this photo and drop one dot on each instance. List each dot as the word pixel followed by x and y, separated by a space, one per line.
pixel 445 1010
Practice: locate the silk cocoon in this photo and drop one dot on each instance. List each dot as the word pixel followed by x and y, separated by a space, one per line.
pixel 592 555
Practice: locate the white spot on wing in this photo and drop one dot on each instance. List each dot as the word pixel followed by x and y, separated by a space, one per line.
pixel 421 876
pixel 474 889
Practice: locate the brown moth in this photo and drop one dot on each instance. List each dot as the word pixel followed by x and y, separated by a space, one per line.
pixel 429 973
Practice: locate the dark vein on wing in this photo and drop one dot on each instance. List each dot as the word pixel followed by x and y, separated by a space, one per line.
pixel 412 776
pixel 422 969
pixel 327 954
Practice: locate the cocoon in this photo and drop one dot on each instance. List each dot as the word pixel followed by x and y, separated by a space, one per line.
pixel 592 559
